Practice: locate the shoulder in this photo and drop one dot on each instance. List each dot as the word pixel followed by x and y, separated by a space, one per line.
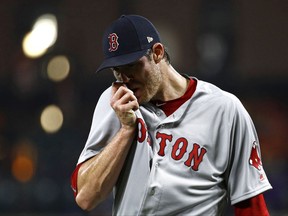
pixel 213 93
pixel 217 100
pixel 106 94
pixel 104 99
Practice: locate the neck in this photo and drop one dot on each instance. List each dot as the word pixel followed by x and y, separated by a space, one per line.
pixel 174 85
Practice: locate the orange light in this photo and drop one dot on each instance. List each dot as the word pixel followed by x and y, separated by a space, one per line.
pixel 24 156
pixel 23 168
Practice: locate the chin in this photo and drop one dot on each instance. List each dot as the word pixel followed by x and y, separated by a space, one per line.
pixel 141 100
pixel 145 97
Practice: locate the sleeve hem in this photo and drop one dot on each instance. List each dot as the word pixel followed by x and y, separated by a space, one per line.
pixel 250 194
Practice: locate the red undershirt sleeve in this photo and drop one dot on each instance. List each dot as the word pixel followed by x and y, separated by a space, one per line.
pixel 253 206
pixel 74 177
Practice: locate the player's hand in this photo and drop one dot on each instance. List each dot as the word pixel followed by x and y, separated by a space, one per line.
pixel 124 103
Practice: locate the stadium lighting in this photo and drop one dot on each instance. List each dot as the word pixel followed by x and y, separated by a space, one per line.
pixel 42 36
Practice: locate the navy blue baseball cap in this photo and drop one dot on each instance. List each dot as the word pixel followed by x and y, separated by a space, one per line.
pixel 127 40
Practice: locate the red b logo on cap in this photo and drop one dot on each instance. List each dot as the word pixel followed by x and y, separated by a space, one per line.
pixel 113 42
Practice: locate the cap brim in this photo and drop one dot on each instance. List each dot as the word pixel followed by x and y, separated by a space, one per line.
pixel 121 60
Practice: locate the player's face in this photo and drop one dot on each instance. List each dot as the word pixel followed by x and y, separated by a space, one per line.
pixel 143 77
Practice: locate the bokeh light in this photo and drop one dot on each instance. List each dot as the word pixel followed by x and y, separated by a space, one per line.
pixel 51 119
pixel 24 161
pixel 58 68
pixel 23 168
pixel 43 35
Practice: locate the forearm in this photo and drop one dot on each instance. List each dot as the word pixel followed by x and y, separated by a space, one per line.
pixel 97 176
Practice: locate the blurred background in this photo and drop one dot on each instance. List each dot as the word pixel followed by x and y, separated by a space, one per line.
pixel 49 50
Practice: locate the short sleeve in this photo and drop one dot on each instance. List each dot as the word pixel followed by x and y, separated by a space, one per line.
pixel 246 176
pixel 104 126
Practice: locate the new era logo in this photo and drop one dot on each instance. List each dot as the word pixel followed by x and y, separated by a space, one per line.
pixel 149 39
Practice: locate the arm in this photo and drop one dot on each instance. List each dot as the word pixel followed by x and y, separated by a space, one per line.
pixel 253 206
pixel 97 176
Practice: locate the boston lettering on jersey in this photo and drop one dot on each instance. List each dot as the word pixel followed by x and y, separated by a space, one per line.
pixel 179 147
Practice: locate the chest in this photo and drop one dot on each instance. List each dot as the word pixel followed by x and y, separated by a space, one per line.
pixel 193 143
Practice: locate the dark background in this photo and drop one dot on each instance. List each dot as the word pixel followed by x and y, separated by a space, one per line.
pixel 241 46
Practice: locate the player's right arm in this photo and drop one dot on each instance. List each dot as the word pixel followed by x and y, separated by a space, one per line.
pixel 98 175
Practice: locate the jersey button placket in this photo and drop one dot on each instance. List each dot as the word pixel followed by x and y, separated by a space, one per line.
pixel 153 189
pixel 158 113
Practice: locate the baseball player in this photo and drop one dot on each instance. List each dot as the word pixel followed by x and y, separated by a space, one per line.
pixel 166 143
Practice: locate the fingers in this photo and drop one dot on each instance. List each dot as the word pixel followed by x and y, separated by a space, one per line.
pixel 122 93
pixel 116 85
pixel 123 96
pixel 126 103
pixel 123 101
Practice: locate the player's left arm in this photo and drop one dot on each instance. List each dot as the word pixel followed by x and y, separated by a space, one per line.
pixel 253 206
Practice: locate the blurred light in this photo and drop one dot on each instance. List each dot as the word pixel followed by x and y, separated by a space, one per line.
pixel 210 47
pixel 58 68
pixel 42 36
pixel 51 119
pixel 23 163
pixel 23 168
pixel 212 51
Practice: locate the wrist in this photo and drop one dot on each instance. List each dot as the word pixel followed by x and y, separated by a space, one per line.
pixel 130 129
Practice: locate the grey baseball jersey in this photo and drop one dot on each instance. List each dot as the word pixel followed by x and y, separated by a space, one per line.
pixel 189 163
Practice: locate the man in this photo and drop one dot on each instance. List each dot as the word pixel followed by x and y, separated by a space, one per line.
pixel 167 143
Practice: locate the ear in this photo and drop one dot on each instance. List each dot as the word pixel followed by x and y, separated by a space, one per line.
pixel 158 52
